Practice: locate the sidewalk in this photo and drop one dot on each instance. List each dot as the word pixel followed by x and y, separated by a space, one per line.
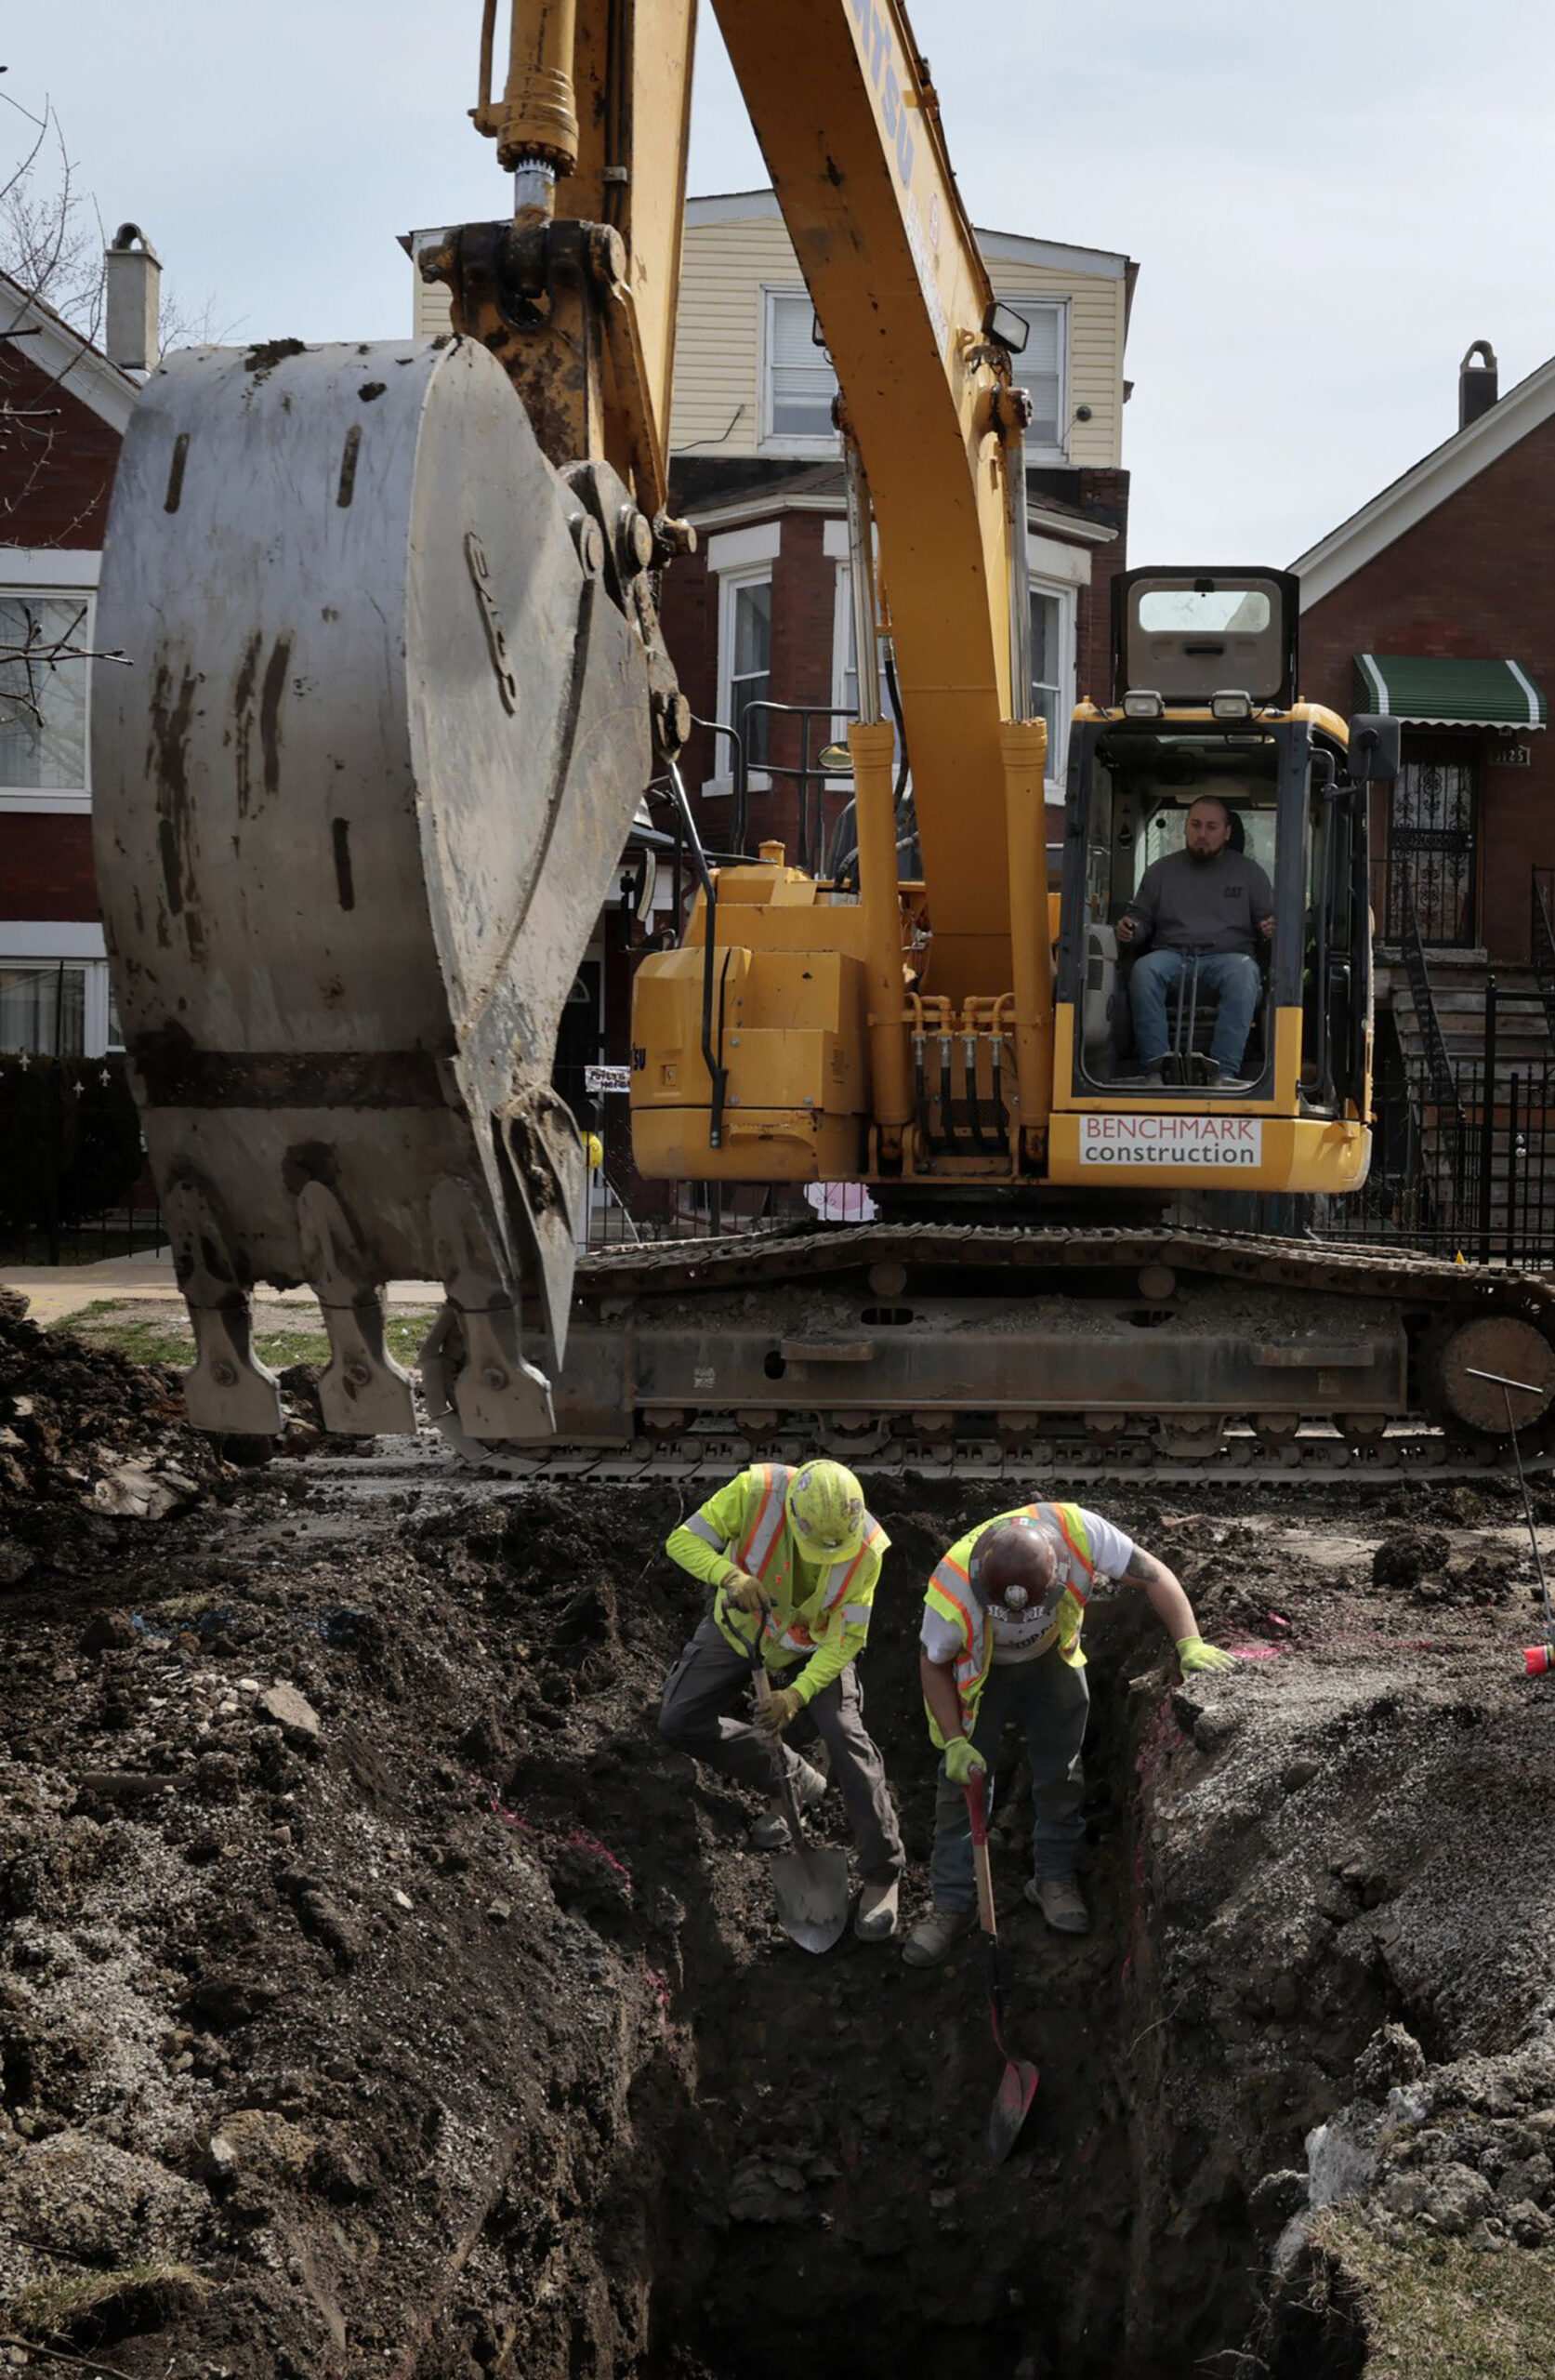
pixel 55 1291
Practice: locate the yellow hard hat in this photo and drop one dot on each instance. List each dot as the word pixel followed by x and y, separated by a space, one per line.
pixel 826 1512
pixel 594 1151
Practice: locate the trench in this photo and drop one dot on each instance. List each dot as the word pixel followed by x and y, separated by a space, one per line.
pixel 806 2185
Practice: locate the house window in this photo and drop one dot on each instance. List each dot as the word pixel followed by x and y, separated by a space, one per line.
pixel 1053 675
pixel 43 1007
pixel 797 381
pixel 745 656
pixel 1040 369
pixel 43 692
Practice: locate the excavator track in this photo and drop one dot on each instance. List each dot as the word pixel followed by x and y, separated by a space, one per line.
pixel 1439 1322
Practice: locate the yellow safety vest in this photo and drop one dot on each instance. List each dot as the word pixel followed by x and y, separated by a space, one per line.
pixel 950 1595
pixel 763 1548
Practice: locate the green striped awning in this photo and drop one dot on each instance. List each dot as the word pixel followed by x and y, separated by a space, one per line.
pixel 1428 692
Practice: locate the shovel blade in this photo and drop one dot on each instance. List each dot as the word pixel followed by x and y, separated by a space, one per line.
pixel 814 1896
pixel 1016 2090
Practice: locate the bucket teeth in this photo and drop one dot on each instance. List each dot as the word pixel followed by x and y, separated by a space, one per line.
pixel 363 1390
pixel 229 1390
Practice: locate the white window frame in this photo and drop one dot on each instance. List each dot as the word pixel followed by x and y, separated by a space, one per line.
pixel 1019 300
pixel 49 586
pixel 1058 747
pixel 730 581
pixel 767 441
pixel 27 942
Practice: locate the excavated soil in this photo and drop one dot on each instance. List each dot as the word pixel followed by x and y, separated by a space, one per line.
pixel 378 1994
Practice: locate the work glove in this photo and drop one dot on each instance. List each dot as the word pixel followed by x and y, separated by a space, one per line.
pixel 963 1760
pixel 742 1593
pixel 1194 1654
pixel 775 1715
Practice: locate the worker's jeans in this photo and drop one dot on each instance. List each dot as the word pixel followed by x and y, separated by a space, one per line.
pixel 1048 1701
pixel 1230 976
pixel 710 1679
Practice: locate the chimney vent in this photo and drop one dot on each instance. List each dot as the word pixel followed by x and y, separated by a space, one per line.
pixel 1478 385
pixel 134 278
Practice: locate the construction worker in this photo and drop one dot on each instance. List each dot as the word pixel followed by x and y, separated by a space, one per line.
pixel 793 1558
pixel 1000 1642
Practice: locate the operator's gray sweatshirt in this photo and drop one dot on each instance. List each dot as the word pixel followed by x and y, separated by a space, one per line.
pixel 1186 904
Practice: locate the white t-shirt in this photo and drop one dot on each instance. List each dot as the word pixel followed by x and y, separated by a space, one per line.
pixel 1017 1635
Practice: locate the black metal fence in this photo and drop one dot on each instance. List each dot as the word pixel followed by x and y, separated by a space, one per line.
pixel 1463 1165
pixel 74 1183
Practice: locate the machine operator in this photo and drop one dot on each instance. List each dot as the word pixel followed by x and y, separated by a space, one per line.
pixel 1206 909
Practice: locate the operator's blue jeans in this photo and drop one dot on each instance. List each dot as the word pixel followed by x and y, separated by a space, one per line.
pixel 1231 976
pixel 1050 1702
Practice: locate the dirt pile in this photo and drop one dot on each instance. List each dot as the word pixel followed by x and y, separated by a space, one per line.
pixel 85 1436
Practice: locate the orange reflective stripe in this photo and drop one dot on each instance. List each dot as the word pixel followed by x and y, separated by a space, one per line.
pixel 1087 1565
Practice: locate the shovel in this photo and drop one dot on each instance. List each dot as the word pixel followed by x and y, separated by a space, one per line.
pixel 814 1892
pixel 1018 2081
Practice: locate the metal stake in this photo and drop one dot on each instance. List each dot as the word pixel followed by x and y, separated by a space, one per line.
pixel 1507 1386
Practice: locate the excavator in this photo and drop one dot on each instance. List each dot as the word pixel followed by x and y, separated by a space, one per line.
pixel 398 685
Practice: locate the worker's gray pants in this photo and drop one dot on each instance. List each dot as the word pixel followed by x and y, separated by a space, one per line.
pixel 710 1679
pixel 1048 1701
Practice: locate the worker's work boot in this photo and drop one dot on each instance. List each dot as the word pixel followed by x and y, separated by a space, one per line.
pixel 1062 1903
pixel 934 1936
pixel 875 1920
pixel 770 1831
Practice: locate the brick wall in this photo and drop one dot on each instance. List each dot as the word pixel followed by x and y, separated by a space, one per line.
pixel 1471 581
pixel 46 866
pixel 1104 495
pixel 57 472
pixel 804 600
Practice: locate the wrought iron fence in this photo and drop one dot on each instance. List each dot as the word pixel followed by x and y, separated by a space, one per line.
pixel 74 1186
pixel 1464 1166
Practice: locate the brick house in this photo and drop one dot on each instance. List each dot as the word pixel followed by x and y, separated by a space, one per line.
pixel 1435 601
pixel 64 407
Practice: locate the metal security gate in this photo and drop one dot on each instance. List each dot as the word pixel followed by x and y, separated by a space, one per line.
pixel 1432 851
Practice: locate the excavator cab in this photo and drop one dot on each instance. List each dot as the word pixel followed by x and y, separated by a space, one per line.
pixel 1205 729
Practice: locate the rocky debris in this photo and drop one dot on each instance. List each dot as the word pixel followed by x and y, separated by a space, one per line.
pixel 1392 2059
pixel 291 1711
pixel 82 2198
pixel 1414 1555
pixel 84 1426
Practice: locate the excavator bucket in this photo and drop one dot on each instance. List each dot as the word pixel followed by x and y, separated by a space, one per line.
pixel 359 797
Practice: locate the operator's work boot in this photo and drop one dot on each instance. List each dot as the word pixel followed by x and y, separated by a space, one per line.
pixel 770 1831
pixel 934 1936
pixel 876 1919
pixel 1062 1903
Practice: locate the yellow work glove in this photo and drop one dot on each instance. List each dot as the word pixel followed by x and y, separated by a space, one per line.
pixel 962 1759
pixel 1194 1654
pixel 774 1715
pixel 742 1594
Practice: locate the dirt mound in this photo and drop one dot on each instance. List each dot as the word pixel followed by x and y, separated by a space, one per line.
pixel 1404 1560
pixel 86 1437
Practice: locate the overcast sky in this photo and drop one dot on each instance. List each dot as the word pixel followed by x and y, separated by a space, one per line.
pixel 1327 201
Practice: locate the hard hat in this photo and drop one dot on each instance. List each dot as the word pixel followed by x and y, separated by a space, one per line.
pixel 826 1512
pixel 1015 1563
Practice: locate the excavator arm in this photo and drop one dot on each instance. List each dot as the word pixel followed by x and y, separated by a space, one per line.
pixel 398 685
